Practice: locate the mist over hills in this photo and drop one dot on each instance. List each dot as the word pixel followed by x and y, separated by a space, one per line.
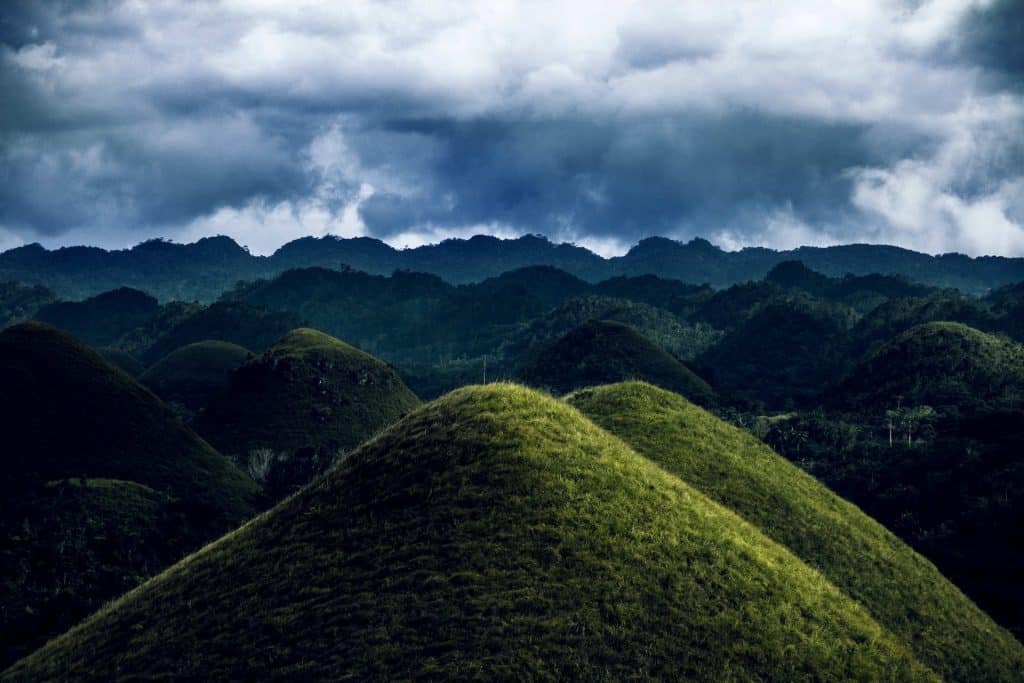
pixel 202 270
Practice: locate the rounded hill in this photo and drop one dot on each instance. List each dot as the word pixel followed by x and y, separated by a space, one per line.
pixel 903 591
pixel 495 533
pixel 192 375
pixel 66 412
pixel 289 412
pixel 602 352
pixel 938 364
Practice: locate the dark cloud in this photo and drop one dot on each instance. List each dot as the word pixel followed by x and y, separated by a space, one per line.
pixel 655 175
pixel 993 36
pixel 664 119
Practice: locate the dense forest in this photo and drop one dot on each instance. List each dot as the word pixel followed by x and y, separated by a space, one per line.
pixel 902 393
pixel 202 270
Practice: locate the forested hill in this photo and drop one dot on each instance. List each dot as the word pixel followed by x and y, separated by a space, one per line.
pixel 204 269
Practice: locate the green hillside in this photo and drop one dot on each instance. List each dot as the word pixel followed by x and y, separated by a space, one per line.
pixel 601 352
pixel 306 399
pixel 902 590
pixel 494 534
pixel 939 364
pixel 195 373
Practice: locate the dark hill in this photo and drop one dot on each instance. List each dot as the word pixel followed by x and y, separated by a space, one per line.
pixel 20 302
pixel 203 270
pixel 782 354
pixel 682 340
pixel 122 359
pixel 939 364
pixel 304 401
pixel 494 534
pixel 903 591
pixel 65 413
pixel 190 376
pixel 546 284
pixel 601 352
pixel 251 327
pixel 103 319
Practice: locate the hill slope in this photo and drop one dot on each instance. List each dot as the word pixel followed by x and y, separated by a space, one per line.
pixel 902 590
pixel 939 364
pixel 69 546
pixel 67 412
pixel 306 398
pixel 602 351
pixel 495 533
pixel 192 375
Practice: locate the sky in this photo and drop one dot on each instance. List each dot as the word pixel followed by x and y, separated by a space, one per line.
pixel 742 121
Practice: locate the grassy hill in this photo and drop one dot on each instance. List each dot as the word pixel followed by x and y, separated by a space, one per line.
pixel 602 351
pixel 495 533
pixel 192 375
pixel 940 364
pixel 307 398
pixel 65 413
pixel 903 591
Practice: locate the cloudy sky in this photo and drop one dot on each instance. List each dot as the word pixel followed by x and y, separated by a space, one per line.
pixel 745 121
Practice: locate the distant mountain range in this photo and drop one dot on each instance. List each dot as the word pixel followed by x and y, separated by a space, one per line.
pixel 204 269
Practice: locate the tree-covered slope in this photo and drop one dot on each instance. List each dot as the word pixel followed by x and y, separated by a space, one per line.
pixel 903 591
pixel 602 351
pixel 938 364
pixel 103 319
pixel 251 327
pixel 495 533
pixel 195 373
pixel 306 399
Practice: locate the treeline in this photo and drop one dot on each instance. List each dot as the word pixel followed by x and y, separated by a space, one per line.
pixel 202 270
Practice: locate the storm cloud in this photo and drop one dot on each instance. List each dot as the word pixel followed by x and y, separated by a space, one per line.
pixel 786 123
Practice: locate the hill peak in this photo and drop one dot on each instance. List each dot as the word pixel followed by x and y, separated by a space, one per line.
pixel 498 532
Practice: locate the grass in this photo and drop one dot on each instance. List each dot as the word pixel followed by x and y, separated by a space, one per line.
pixel 495 533
pixel 603 351
pixel 192 375
pixel 903 591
